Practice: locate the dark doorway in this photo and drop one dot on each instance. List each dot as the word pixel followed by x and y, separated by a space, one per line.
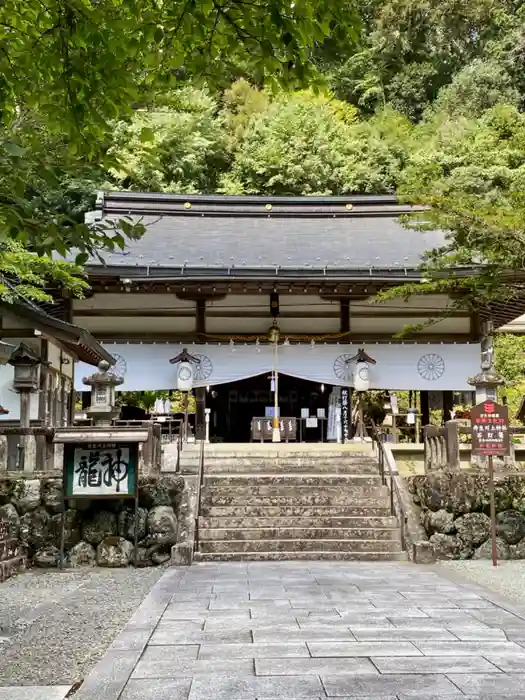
pixel 234 405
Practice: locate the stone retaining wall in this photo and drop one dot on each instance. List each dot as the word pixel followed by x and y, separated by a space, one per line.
pixel 12 553
pixel 454 510
pixel 99 532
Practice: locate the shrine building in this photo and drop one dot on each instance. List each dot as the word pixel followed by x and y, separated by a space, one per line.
pixel 255 287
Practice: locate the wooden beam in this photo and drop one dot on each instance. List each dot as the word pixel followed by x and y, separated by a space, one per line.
pixel 475 326
pixel 188 337
pixel 200 325
pixel 199 296
pixel 215 289
pixel 344 313
pixel 18 333
pixel 409 313
pixel 224 312
pixel 133 313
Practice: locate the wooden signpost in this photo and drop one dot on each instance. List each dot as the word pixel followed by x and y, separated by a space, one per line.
pixel 490 438
pixel 345 414
pixel 98 470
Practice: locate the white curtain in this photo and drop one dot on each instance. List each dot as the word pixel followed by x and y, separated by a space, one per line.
pixel 433 367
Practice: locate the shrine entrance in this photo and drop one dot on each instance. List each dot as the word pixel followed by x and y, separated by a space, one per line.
pixel 233 407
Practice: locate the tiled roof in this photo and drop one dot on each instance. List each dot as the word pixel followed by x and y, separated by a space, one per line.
pixel 300 233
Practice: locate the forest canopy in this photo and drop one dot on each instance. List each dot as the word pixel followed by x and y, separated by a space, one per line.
pixel 422 98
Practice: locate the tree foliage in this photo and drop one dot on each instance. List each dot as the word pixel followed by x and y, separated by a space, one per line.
pixel 412 48
pixel 69 69
pixel 257 142
pixel 509 361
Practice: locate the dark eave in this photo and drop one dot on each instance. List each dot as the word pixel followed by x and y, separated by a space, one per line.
pixel 79 341
pixel 144 203
pixel 195 274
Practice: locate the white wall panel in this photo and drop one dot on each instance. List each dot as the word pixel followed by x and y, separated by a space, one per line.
pixel 429 305
pixel 239 325
pixel 143 325
pixel 101 301
pixel 394 325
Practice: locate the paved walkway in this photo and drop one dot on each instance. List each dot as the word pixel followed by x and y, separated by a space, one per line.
pixel 291 630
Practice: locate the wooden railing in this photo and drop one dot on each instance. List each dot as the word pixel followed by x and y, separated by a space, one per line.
pixel 200 481
pixel 388 479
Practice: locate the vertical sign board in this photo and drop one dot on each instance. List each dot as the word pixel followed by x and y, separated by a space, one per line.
pixel 345 414
pixel 490 429
pixel 490 438
pixel 100 470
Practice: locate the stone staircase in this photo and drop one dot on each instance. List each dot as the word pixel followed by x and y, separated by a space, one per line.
pixel 264 503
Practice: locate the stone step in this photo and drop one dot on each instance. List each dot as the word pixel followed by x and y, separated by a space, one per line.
pixel 302 556
pixel 281 467
pixel 298 533
pixel 305 458
pixel 247 522
pixel 307 451
pixel 275 495
pixel 258 510
pixel 298 545
pixel 221 481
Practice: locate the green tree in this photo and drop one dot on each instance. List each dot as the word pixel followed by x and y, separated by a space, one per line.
pixel 470 173
pixel 180 147
pixel 415 47
pixel 509 361
pixel 304 143
pixel 146 400
pixel 74 67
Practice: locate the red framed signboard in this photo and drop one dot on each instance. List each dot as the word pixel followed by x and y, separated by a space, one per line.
pixel 490 429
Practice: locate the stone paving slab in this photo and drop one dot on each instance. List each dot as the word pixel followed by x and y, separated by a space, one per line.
pixel 226 688
pixel 254 651
pixel 434 664
pixel 288 631
pixel 33 692
pixel 413 686
pixel 331 649
pixel 380 634
pixel 497 685
pixel 155 689
pixel 492 647
pixel 317 666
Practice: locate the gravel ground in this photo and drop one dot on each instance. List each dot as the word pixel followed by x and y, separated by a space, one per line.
pixel 54 626
pixel 507 579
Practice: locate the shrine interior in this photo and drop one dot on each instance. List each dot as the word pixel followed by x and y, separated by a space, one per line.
pixel 235 405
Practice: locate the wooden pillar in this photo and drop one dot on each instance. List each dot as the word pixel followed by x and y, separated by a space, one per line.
pixel 345 315
pixel 200 393
pixel 200 413
pixel 448 405
pixel 425 408
pixel 25 422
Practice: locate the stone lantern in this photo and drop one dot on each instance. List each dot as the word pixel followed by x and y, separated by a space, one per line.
pixel 487 381
pixel 103 383
pixel 26 364
pixel 486 385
